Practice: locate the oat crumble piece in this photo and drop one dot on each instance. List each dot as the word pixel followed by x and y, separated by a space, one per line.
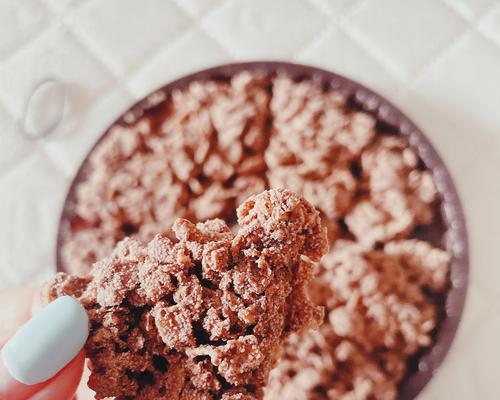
pixel 202 316
pixel 400 196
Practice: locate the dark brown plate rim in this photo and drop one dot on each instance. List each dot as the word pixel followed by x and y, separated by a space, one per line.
pixel 456 240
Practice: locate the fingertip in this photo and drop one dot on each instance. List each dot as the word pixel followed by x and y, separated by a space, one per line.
pixel 63 386
pixel 84 392
pixel 17 307
pixel 60 387
pixel 47 342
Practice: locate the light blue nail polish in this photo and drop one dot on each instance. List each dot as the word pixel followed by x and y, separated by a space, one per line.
pixel 47 342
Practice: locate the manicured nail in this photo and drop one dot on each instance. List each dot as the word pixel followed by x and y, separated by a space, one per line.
pixel 47 342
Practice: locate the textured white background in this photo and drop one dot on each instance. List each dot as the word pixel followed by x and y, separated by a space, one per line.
pixel 439 60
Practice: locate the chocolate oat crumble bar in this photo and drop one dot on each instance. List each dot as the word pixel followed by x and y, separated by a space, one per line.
pixel 202 316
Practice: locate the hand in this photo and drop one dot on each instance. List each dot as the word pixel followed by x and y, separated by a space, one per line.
pixel 33 362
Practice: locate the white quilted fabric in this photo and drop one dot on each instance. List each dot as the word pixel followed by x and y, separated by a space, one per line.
pixel 439 60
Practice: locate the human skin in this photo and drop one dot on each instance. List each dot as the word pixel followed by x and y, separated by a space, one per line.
pixel 17 306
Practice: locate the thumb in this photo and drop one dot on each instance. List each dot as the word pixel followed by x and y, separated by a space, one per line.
pixel 44 357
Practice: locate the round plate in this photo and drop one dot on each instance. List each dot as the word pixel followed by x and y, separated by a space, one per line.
pixel 448 231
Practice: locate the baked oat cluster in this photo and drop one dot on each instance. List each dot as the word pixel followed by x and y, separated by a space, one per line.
pixel 398 195
pixel 201 162
pixel 207 147
pixel 377 317
pixel 202 316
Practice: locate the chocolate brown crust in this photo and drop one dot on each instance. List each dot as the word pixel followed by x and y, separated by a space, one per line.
pixel 201 316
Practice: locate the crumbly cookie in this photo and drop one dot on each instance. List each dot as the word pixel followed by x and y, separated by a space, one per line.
pixel 202 316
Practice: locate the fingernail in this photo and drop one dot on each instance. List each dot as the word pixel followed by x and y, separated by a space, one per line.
pixel 47 342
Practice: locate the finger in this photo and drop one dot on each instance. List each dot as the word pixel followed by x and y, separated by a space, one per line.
pixel 60 387
pixel 15 310
pixel 45 344
pixel 63 386
pixel 36 305
pixel 84 392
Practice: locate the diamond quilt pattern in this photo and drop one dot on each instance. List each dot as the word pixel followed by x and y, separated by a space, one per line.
pixel 131 40
pixel 21 20
pixel 436 59
pixel 412 33
pixel 248 33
